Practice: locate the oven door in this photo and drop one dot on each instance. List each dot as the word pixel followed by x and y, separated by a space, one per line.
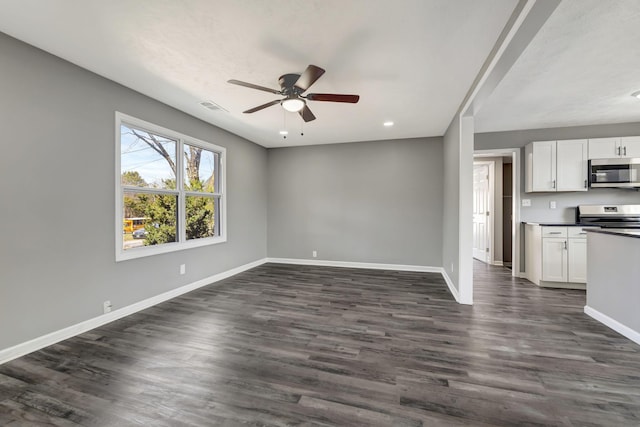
pixel 614 173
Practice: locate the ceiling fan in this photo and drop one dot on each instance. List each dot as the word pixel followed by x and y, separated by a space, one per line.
pixel 292 87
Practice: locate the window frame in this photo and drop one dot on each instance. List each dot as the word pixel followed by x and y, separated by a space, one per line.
pixel 220 196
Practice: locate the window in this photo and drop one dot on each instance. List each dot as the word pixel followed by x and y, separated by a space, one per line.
pixel 169 191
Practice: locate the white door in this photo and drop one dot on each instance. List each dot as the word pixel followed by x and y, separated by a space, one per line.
pixel 481 212
pixel 630 146
pixel 577 260
pixel 571 161
pixel 554 259
pixel 544 166
pixel 604 148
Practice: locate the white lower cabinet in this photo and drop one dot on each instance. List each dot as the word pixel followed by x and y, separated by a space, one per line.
pixel 556 256
pixel 554 259
pixel 577 260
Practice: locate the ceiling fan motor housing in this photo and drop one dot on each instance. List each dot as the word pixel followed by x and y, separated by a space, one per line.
pixel 287 82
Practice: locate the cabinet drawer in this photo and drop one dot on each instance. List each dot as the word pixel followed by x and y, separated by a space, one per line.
pixel 554 231
pixel 577 232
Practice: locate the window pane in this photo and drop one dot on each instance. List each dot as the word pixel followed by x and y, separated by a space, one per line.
pixel 149 219
pixel 200 168
pixel 146 159
pixel 200 214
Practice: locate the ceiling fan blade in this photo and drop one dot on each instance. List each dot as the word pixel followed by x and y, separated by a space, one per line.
pixel 263 106
pixel 252 86
pixel 306 114
pixel 309 77
pixel 333 97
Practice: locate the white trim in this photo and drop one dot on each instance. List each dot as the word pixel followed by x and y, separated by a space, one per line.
pixel 349 264
pixel 79 328
pixel 497 263
pixel 372 266
pixel 613 324
pixel 449 283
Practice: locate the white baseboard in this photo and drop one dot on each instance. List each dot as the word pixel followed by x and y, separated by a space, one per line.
pixel 373 266
pixel 497 263
pixel 613 324
pixel 349 264
pixel 79 328
pixel 450 285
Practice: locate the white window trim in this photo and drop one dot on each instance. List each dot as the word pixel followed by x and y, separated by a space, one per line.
pixel 144 251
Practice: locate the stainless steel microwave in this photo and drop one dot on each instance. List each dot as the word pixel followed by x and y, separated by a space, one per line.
pixel 617 173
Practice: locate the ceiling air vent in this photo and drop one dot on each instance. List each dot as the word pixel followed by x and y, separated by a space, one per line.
pixel 212 106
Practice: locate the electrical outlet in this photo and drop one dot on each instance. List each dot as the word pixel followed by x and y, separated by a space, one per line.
pixel 526 202
pixel 183 268
pixel 106 307
pixel 552 204
pixel 315 254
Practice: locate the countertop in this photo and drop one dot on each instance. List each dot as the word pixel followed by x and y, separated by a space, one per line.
pixel 616 232
pixel 557 224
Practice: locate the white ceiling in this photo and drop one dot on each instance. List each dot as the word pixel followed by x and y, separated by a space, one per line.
pixel 580 69
pixel 411 61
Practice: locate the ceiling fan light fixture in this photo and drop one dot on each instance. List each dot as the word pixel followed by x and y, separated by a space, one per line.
pixel 636 94
pixel 293 105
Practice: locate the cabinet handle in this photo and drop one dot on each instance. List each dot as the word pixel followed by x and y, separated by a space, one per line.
pixel 553 184
pixel 618 151
pixel 625 151
pixel 585 183
pixel 565 245
pixel 555 232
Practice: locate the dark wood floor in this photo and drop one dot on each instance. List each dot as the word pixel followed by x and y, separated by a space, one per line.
pixel 291 345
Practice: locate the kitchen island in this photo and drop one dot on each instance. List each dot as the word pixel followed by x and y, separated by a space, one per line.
pixel 613 280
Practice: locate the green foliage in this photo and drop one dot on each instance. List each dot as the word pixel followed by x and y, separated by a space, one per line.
pixel 200 217
pixel 161 222
pixel 133 207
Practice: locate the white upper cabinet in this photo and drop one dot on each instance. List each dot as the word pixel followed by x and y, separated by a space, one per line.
pixel 604 148
pixel 541 166
pixel 610 148
pixel 630 146
pixel 556 165
pixel 571 169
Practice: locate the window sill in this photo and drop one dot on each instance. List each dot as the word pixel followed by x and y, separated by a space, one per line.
pixel 145 251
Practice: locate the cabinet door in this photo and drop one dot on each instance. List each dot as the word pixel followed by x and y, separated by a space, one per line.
pixel 577 260
pixel 571 160
pixel 554 259
pixel 543 166
pixel 604 148
pixel 630 146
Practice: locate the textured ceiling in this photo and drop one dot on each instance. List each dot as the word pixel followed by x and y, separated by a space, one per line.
pixel 411 61
pixel 580 69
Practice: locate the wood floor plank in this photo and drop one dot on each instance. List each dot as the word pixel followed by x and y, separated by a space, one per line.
pixel 284 345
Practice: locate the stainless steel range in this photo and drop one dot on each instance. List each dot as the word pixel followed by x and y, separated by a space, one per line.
pixel 609 216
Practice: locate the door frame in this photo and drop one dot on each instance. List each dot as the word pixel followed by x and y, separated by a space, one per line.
pixel 490 224
pixel 516 232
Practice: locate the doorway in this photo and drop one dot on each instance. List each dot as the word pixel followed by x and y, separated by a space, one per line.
pixel 502 203
pixel 483 177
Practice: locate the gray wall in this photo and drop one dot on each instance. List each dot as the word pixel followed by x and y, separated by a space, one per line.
pixel 361 202
pixel 57 197
pixel 566 202
pixel 451 204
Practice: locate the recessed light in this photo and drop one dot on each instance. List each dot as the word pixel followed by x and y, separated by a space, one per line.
pixel 284 132
pixel 636 94
pixel 388 124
